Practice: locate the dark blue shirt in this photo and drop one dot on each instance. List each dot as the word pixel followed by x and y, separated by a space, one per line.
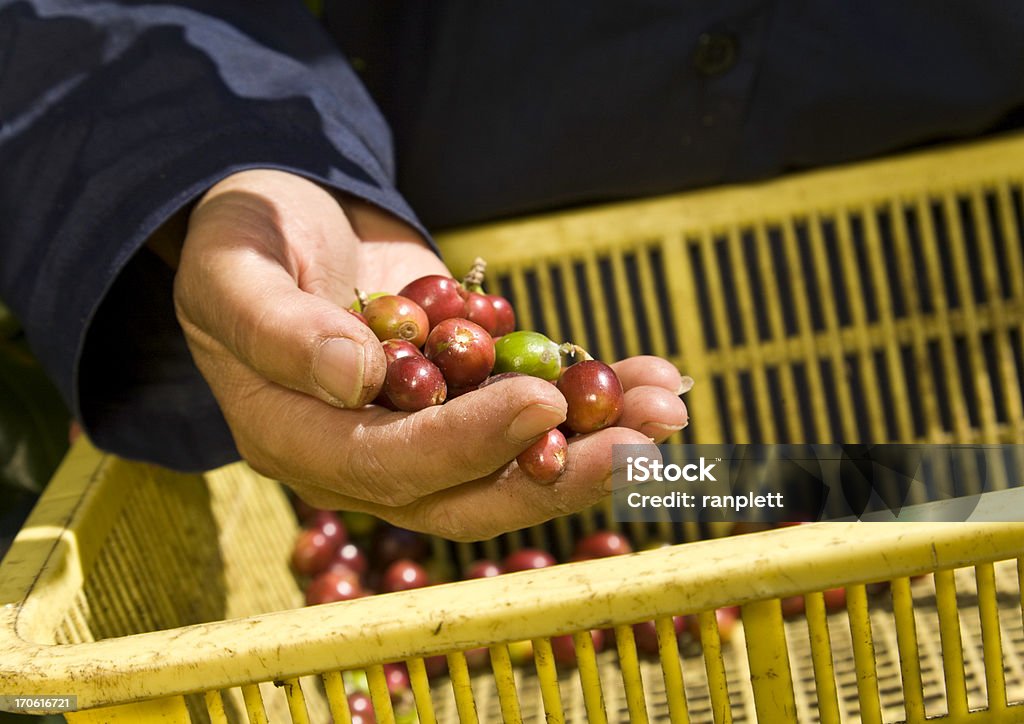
pixel 115 115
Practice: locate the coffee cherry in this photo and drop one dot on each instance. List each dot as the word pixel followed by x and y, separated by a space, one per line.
pixel 529 353
pixel 398 348
pixel 397 678
pixel 360 708
pixel 390 543
pixel 564 649
pixel 483 569
pixel 478 659
pixel 602 544
pixel 480 310
pixel 396 317
pixel 526 559
pixel 395 349
pixel 792 606
pixel 544 460
pixel 404 575
pixel 349 556
pixel 436 665
pixel 329 523
pixel 334 585
pixel 594 396
pixel 439 296
pixel 645 634
pixel 504 315
pixel 463 350
pixel 727 618
pixel 414 383
pixel 313 552
pixel 835 598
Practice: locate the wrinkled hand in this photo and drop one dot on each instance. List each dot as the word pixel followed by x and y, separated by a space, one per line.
pixel 268 266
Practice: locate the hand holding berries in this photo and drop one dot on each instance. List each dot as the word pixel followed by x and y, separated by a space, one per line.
pixel 269 262
pixel 460 363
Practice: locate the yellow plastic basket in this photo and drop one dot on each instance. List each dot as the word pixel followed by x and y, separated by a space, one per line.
pixel 878 302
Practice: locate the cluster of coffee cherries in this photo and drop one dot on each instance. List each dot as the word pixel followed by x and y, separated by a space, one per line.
pixel 340 556
pixel 443 339
pixel 344 556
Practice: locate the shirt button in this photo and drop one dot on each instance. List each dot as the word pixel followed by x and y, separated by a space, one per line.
pixel 715 54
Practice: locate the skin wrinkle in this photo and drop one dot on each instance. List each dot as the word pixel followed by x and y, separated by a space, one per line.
pixel 450 522
pixel 423 427
pixel 197 340
pixel 376 478
pixel 420 428
pixel 297 259
pixel 322 285
pixel 247 331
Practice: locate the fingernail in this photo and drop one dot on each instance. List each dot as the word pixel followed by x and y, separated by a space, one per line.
pixel 616 478
pixel 338 369
pixel 533 421
pixel 659 431
pixel 685 385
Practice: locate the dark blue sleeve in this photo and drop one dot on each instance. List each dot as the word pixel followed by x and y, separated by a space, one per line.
pixel 113 117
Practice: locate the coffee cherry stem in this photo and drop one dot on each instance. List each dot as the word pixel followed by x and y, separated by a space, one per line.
pixel 474 279
pixel 362 299
pixel 572 353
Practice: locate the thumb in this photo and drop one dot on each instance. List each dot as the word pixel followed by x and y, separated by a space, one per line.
pixel 347 363
pixel 250 307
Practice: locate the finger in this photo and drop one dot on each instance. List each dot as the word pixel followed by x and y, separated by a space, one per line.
pixel 512 500
pixel 393 458
pixel 649 370
pixel 654 411
pixel 249 303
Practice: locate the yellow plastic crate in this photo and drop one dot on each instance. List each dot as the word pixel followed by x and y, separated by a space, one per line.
pixel 879 302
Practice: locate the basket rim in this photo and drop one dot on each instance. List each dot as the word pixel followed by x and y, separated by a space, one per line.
pixel 583 231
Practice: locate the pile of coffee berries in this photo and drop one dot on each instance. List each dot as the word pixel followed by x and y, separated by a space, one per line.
pixel 341 556
pixel 443 338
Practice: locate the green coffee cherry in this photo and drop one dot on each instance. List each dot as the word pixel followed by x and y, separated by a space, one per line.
pixel 529 353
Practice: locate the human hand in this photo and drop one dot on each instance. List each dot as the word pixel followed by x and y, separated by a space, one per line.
pixel 268 266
